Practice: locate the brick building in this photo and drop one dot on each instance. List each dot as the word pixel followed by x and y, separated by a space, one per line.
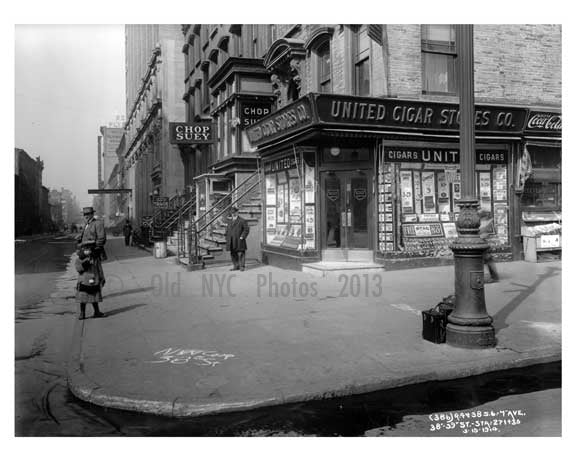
pixel 31 199
pixel 154 87
pixel 355 129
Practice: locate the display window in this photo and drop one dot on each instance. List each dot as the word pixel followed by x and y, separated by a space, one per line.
pixel 290 217
pixel 418 206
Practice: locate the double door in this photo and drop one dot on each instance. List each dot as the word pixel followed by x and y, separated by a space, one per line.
pixel 347 199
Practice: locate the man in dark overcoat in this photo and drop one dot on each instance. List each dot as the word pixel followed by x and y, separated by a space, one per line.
pixel 127 231
pixel 236 234
pixel 94 232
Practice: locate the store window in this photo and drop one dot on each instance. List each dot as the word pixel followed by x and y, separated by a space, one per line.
pixel 361 59
pixel 422 222
pixel 438 58
pixel 290 203
pixel 543 189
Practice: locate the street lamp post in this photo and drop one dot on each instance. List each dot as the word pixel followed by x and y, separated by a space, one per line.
pixel 469 325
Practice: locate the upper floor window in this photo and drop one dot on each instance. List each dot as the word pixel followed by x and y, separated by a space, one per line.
pixel 361 59
pixel 324 67
pixel 438 58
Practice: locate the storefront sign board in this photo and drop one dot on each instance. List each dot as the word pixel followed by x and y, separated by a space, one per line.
pixel 193 133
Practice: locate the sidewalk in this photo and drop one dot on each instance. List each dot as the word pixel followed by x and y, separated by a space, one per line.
pixel 268 336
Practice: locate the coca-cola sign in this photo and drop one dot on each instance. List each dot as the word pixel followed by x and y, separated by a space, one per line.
pixel 544 122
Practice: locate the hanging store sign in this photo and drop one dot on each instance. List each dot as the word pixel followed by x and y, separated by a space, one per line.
pixel 251 112
pixel 286 120
pixel 441 155
pixel 398 114
pixel 193 133
pixel 544 123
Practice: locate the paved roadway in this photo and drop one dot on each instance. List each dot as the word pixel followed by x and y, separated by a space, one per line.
pixel 45 316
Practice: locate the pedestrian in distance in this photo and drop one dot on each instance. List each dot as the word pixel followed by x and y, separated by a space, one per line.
pixel 486 224
pixel 90 279
pixel 236 234
pixel 127 231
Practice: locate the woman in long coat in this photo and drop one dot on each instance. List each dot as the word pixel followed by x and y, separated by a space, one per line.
pixel 236 234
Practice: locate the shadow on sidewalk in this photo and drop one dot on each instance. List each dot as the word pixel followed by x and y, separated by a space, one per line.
pixel 129 292
pixel 524 291
pixel 120 310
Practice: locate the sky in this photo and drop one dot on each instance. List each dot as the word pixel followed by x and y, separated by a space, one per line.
pixel 69 81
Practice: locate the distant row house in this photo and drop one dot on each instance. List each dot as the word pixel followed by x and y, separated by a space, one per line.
pixel 338 142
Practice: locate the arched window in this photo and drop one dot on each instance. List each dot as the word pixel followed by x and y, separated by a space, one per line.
pixel 324 67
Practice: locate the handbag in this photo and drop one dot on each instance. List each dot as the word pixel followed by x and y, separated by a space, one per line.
pixel 434 321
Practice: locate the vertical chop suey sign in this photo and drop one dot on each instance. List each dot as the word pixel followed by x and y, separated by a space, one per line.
pixel 193 133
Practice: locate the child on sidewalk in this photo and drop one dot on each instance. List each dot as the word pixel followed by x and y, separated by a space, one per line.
pixel 90 280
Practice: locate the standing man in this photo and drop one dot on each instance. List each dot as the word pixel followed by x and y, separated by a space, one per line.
pixel 127 231
pixel 236 234
pixel 94 233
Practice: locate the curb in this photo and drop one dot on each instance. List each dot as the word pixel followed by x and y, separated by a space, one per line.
pixel 85 389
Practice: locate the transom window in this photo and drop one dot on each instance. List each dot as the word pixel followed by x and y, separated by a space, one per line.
pixel 438 58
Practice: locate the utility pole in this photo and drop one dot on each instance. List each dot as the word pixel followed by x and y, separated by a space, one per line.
pixel 469 325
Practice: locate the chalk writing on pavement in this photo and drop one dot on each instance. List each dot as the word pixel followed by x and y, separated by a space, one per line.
pixel 177 356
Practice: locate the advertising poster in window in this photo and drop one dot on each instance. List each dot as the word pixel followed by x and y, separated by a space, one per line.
pixel 500 184
pixel 443 194
pixel 309 234
pixel 271 189
pixel 485 190
pixel 417 192
pixel 309 184
pixel 428 192
pixel 280 203
pixel 456 195
pixel 295 201
pixel 271 219
pixel 450 230
pixel 406 190
pixel 294 238
pixel 501 221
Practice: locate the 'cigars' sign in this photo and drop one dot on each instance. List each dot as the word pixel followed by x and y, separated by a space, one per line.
pixel 544 123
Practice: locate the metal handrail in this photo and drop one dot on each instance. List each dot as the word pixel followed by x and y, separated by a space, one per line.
pixel 170 220
pixel 256 174
pixel 195 229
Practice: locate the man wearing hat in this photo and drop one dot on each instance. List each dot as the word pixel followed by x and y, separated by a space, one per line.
pixel 94 233
pixel 236 234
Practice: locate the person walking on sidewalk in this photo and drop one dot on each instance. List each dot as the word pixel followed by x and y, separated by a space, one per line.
pixel 90 279
pixel 127 231
pixel 236 234
pixel 486 224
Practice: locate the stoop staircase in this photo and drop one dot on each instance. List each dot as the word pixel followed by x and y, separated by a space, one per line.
pixel 202 241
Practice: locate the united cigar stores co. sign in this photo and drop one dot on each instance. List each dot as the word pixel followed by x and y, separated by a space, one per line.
pixel 549 123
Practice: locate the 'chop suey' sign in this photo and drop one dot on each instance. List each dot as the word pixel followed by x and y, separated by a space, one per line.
pixel 192 133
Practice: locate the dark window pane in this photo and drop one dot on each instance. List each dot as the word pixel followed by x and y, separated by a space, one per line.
pixel 362 78
pixel 438 73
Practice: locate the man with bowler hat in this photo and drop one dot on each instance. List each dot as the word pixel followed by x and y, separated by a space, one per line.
pixel 236 234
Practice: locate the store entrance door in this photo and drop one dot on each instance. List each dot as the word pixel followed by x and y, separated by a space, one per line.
pixel 346 217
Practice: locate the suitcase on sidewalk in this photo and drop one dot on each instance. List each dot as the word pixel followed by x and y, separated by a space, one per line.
pixel 434 321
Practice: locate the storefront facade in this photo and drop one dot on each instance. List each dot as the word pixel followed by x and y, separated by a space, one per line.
pixel 347 178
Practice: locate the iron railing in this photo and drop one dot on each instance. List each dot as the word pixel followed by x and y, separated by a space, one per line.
pixel 203 225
